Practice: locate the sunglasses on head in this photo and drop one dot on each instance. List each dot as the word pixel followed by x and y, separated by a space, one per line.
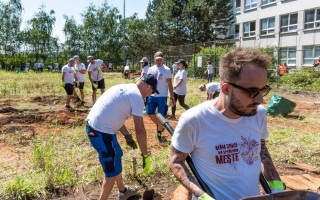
pixel 253 92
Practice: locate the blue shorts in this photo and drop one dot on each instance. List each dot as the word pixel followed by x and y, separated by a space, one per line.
pixel 154 102
pixel 109 151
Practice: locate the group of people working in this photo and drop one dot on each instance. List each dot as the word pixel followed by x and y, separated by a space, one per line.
pixel 225 136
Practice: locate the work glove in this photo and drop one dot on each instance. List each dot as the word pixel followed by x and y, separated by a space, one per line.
pixel 63 84
pixel 99 69
pixel 276 186
pixel 130 141
pixel 95 85
pixel 146 163
pixel 76 68
pixel 205 196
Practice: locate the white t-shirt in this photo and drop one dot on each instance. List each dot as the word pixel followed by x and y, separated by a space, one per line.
pixel 213 87
pixel 69 74
pixel 225 152
pixel 56 66
pixel 161 73
pixel 181 89
pixel 210 69
pixel 114 106
pixel 80 76
pixel 145 70
pixel 174 67
pixel 93 68
pixel 126 68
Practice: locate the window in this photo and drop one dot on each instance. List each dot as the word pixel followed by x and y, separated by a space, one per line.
pixel 288 55
pixel 289 22
pixel 238 6
pixel 312 18
pixel 310 53
pixel 266 2
pixel 249 29
pixel 250 4
pixel 267 26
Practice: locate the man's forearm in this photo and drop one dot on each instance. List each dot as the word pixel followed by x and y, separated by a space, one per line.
pixel 181 172
pixel 270 171
pixel 142 140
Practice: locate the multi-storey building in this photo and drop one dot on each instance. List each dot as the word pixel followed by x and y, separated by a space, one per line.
pixel 292 26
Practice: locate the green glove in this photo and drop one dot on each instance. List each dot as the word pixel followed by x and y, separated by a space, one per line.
pixel 76 68
pixel 130 141
pixel 205 196
pixel 63 84
pixel 276 186
pixel 95 85
pixel 99 69
pixel 146 164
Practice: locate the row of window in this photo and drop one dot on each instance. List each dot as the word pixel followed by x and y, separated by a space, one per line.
pixel 251 4
pixel 288 22
pixel 288 55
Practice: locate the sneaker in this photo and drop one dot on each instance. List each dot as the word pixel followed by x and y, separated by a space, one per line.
pixel 172 118
pixel 77 100
pixel 130 191
pixel 67 106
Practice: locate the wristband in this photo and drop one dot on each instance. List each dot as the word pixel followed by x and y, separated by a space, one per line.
pixel 276 184
pixel 147 155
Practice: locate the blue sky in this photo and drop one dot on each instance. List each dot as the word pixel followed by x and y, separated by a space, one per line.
pixel 75 8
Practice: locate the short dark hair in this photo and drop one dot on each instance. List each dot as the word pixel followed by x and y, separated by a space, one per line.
pixel 232 63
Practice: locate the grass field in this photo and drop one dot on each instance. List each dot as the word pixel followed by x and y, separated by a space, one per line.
pixel 45 153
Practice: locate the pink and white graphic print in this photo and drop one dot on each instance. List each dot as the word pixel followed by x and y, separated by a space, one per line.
pixel 249 149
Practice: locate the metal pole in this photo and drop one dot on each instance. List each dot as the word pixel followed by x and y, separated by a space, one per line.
pixel 124 33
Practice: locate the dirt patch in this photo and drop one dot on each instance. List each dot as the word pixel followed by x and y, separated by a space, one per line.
pixel 9 110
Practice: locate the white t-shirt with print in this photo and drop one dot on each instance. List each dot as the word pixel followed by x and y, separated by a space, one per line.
pixel 213 87
pixel 93 68
pixel 145 70
pixel 80 76
pixel 161 74
pixel 225 152
pixel 69 74
pixel 181 89
pixel 210 69
pixel 114 107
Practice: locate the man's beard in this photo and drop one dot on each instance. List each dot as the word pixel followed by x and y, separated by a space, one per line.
pixel 237 108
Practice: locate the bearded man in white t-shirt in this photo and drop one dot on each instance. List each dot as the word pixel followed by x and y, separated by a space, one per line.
pixel 96 78
pixel 80 72
pixel 159 101
pixel 108 116
pixel 226 136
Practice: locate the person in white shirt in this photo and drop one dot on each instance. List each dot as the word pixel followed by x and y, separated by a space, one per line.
pixel 126 72
pixel 56 67
pixel 180 87
pixel 159 101
pixel 226 136
pixel 108 116
pixel 209 71
pixel 68 77
pixel 26 69
pixel 213 90
pixel 96 78
pixel 144 65
pixel 80 72
pixel 174 68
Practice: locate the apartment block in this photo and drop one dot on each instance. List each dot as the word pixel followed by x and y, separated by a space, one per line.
pixel 292 26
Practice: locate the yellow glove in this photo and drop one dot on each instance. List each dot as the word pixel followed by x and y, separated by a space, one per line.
pixel 205 196
pixel 99 69
pixel 63 84
pixel 76 68
pixel 146 164
pixel 95 85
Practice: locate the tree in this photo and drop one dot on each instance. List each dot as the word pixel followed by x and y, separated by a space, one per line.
pixel 73 36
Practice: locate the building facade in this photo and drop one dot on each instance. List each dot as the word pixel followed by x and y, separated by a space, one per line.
pixel 292 26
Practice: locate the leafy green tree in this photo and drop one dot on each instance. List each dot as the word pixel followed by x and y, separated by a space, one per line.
pixel 73 36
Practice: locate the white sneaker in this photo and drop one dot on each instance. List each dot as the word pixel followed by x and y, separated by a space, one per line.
pixel 131 191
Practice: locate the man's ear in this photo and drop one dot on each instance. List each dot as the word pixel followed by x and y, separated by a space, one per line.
pixel 224 88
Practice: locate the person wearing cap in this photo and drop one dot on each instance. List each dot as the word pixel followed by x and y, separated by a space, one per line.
pixel 106 117
pixel 209 71
pixel 159 101
pixel 180 87
pixel 80 72
pixel 213 89
pixel 226 137
pixel 68 77
pixel 96 76
pixel 144 65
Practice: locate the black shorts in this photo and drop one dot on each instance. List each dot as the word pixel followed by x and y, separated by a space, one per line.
pixel 68 88
pixel 80 86
pixel 100 83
